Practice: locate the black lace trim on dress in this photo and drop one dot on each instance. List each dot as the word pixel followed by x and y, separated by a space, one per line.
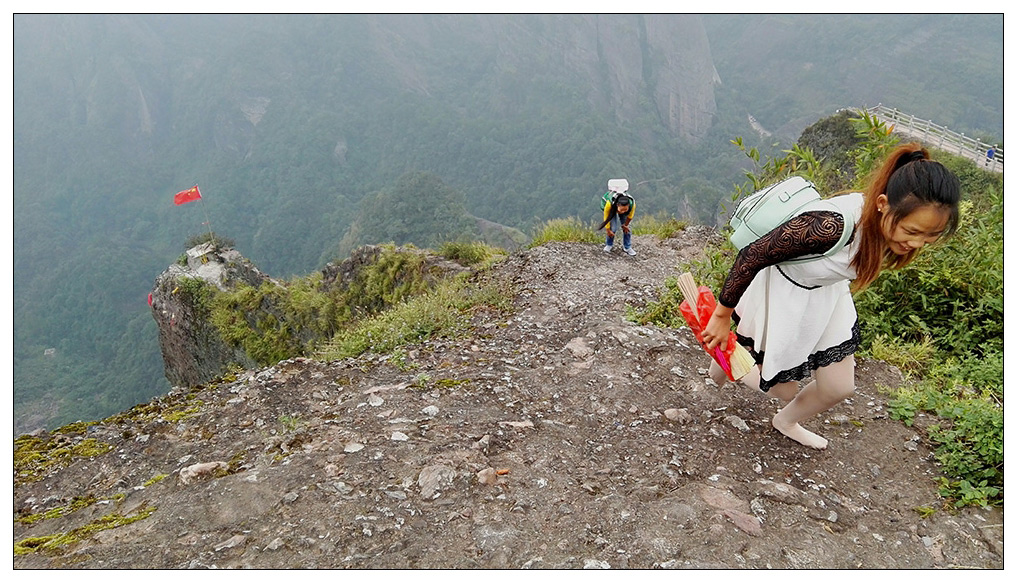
pixel 811 233
pixel 815 361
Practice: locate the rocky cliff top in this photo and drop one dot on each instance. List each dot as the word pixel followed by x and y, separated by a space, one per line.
pixel 559 435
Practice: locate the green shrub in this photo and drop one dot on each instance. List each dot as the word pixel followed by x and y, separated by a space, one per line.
pixel 443 312
pixel 912 358
pixel 710 271
pixel 968 441
pixel 276 321
pixel 662 225
pixel 471 253
pixel 566 230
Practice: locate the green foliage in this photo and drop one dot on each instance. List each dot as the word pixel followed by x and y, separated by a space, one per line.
pixel 471 253
pixel 243 319
pixel 155 479
pixel 912 358
pixel 291 423
pixel 969 440
pixel 53 541
pixel 660 224
pixel 419 209
pixel 197 293
pixel 877 140
pixel 832 139
pixel 394 277
pixel 276 321
pixel 569 229
pixel 280 320
pixel 442 312
pixel 35 456
pixel 797 161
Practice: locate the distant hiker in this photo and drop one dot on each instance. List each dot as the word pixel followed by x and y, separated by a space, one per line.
pixel 617 215
pixel 990 156
pixel 799 319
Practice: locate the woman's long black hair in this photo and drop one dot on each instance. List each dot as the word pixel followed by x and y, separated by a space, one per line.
pixel 909 178
pixel 621 200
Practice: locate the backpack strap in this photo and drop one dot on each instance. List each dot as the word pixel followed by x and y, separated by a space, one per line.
pixel 848 228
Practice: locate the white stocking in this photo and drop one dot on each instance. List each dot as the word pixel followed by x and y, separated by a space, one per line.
pixel 832 384
pixel 717 373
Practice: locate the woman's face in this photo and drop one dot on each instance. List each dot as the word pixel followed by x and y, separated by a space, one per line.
pixel 922 226
pixel 622 208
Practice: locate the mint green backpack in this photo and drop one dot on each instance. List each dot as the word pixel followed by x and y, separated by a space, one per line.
pixel 770 207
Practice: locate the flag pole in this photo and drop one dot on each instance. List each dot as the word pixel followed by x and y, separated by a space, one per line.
pixel 208 221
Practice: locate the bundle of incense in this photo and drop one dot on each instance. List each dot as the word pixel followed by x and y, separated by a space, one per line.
pixel 741 361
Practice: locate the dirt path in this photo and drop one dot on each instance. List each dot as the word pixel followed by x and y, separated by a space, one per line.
pixel 562 436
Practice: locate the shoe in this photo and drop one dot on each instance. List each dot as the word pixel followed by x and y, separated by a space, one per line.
pixel 608 248
pixel 631 252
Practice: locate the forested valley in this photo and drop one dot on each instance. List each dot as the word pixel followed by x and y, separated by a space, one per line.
pixel 311 135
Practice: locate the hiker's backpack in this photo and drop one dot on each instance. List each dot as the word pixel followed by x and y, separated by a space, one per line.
pixel 615 187
pixel 608 197
pixel 770 207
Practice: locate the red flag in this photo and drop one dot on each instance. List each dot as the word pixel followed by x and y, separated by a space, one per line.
pixel 186 196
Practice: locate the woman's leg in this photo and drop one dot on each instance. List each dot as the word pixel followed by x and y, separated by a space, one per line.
pixel 832 384
pixel 785 391
pixel 615 225
pixel 716 373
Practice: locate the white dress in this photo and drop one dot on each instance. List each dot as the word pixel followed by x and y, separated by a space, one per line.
pixel 810 321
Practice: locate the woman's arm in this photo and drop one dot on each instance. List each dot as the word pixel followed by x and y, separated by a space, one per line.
pixel 810 233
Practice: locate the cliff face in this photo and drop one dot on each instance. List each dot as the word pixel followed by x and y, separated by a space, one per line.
pixel 193 350
pixel 616 62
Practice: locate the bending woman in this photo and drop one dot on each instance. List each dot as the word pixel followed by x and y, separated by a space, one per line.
pixel 617 216
pixel 798 319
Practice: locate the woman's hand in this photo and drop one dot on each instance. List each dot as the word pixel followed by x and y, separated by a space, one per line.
pixel 718 329
pixel 626 228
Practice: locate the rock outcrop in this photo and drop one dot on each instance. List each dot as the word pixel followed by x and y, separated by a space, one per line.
pixel 196 350
pixel 193 349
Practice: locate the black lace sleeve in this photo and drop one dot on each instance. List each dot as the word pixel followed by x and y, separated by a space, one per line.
pixel 810 233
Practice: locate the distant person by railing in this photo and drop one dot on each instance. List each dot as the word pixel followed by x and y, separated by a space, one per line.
pixel 942 137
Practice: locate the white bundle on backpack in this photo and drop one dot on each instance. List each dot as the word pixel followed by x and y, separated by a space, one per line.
pixel 615 187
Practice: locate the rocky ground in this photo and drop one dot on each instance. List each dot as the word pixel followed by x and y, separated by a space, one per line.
pixel 558 436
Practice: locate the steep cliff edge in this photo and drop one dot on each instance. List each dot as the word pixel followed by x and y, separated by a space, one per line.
pixel 193 350
pixel 203 335
pixel 557 434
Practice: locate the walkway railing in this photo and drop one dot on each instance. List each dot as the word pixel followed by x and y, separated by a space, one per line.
pixel 941 137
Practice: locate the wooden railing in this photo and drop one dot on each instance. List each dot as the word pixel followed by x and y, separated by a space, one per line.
pixel 941 137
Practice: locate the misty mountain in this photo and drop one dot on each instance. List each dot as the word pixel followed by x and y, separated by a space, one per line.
pixel 294 125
